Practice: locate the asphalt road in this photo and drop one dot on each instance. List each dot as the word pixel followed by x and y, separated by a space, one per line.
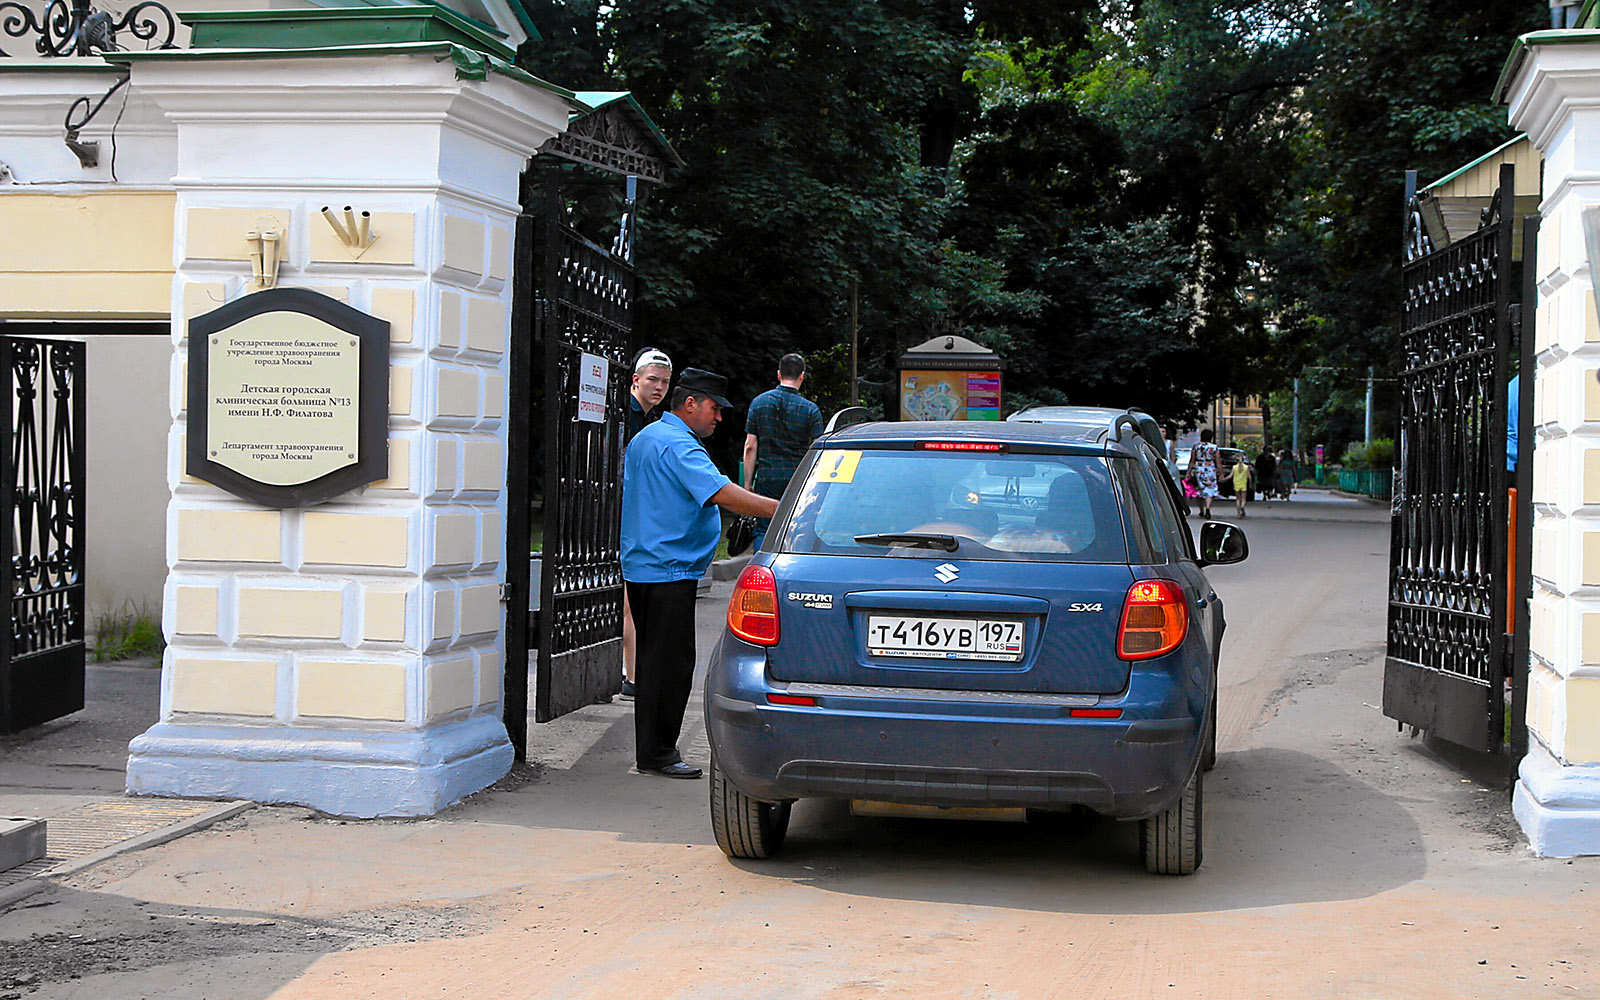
pixel 1343 859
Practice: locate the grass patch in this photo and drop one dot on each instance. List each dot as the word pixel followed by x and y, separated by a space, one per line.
pixel 130 632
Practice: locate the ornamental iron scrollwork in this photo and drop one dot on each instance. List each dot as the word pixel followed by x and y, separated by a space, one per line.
pixel 1447 556
pixel 47 502
pixel 1418 243
pixel 81 30
pixel 585 307
pixel 609 140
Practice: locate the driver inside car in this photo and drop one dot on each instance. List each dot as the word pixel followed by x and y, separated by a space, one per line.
pixel 1063 524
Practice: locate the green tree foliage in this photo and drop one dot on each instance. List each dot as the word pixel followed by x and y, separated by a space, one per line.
pixel 1401 86
pixel 1147 202
pixel 799 122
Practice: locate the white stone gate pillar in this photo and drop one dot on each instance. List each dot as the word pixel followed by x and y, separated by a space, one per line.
pixel 1553 88
pixel 348 656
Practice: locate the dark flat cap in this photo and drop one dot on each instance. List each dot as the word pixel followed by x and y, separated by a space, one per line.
pixel 705 384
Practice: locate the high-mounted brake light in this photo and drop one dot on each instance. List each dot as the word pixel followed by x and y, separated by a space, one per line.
pixel 960 446
pixel 1155 618
pixel 753 608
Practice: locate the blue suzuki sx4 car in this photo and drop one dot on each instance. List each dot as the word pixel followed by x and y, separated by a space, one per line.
pixel 976 615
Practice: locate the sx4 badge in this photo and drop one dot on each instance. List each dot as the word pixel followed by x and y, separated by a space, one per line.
pixel 821 601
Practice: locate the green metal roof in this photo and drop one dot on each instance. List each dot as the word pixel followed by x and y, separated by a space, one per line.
pixel 331 27
pixel 1491 154
pixel 471 64
pixel 525 19
pixel 1552 36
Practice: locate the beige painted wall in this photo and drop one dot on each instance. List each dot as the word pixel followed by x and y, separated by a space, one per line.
pixel 94 255
pixel 127 495
pixel 106 255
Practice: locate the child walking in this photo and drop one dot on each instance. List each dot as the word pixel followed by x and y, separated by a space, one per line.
pixel 1243 476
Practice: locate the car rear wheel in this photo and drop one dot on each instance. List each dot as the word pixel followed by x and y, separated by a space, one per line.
pixel 745 827
pixel 1171 840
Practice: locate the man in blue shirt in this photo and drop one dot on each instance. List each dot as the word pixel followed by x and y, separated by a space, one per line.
pixel 779 428
pixel 670 494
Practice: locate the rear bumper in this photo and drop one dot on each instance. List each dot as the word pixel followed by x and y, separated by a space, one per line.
pixel 939 748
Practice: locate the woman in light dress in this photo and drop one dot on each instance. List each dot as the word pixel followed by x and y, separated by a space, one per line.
pixel 1205 465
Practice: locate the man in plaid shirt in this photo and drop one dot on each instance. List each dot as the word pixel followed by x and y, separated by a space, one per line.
pixel 779 428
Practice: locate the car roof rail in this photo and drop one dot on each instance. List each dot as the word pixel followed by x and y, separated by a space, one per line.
pixel 1143 424
pixel 846 417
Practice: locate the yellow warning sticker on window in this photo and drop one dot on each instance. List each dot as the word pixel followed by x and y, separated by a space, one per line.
pixel 836 467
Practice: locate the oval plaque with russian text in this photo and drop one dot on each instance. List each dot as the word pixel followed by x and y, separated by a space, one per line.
pixel 288 393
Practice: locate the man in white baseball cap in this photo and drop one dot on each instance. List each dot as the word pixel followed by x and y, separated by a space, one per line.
pixel 652 375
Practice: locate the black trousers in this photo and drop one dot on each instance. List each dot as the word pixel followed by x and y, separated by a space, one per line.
pixel 663 668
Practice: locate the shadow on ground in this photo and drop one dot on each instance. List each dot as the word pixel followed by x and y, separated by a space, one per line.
pixel 1281 827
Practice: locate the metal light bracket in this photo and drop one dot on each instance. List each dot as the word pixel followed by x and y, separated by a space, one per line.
pixel 355 232
pixel 264 256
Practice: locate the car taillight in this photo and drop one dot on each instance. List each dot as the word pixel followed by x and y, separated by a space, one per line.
pixel 753 608
pixel 1155 619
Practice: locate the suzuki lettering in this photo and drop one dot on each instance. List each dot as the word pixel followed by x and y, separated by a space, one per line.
pixel 821 601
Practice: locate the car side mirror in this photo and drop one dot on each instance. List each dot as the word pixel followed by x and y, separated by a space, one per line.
pixel 1222 543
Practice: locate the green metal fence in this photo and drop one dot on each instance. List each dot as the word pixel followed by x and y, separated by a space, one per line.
pixel 1378 483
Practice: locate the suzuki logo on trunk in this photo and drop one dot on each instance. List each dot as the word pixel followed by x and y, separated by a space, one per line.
pixel 946 572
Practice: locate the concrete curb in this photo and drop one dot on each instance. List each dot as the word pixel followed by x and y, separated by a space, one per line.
pixel 1374 501
pixel 32 884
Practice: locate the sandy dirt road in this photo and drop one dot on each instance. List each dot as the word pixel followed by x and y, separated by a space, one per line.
pixel 1342 860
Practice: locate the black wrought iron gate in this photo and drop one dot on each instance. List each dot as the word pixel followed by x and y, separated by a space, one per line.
pixel 572 314
pixel 1449 636
pixel 582 305
pixel 41 557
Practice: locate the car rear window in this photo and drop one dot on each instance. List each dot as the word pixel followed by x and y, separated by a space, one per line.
pixel 1031 508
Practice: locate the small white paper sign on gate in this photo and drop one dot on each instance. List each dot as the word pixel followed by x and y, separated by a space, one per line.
pixel 592 376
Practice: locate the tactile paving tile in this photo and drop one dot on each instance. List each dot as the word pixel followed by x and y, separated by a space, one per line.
pixel 95 826
pixel 12 876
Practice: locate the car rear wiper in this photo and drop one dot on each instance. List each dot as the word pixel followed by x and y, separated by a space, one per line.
pixel 914 540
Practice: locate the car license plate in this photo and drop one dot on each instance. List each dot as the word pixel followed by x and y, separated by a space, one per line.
pixel 945 638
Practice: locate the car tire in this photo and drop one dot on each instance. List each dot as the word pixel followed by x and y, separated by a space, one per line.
pixel 1208 752
pixel 745 827
pixel 1172 840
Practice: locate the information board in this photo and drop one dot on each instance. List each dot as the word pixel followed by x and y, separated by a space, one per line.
pixel 288 397
pixel 283 394
pixel 949 395
pixel 593 372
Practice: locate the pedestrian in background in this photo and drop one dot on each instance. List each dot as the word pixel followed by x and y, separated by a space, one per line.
pixel 1266 474
pixel 1206 468
pixel 652 375
pixel 1243 477
pixel 779 428
pixel 670 495
pixel 1288 469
